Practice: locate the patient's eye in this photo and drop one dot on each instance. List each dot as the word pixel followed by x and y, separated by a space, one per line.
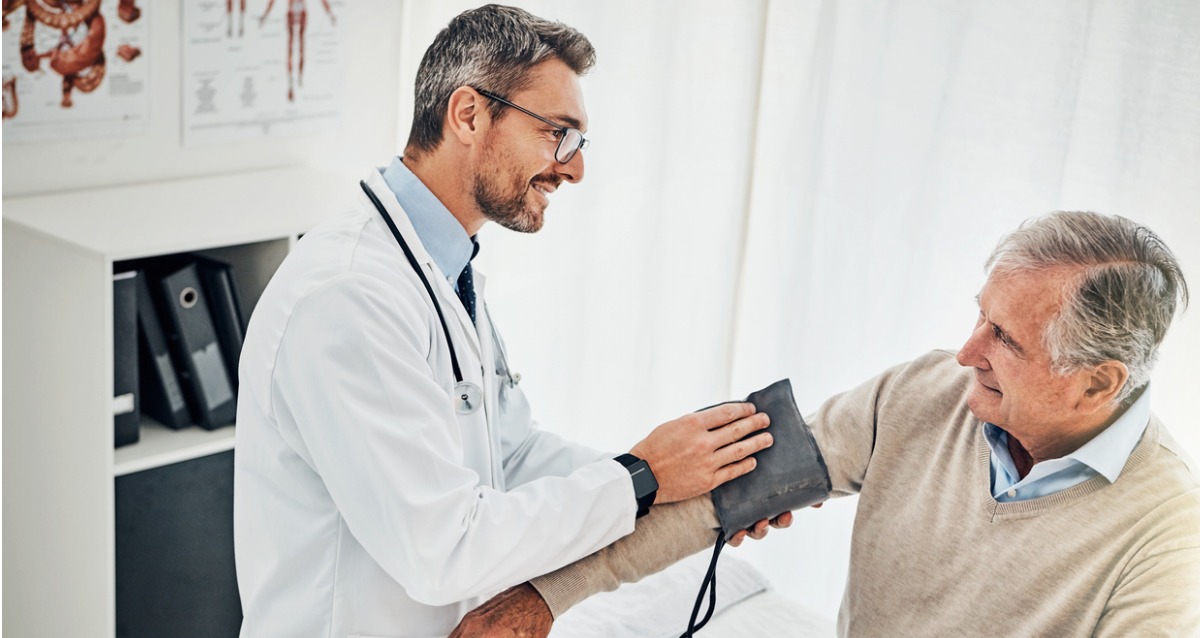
pixel 1003 336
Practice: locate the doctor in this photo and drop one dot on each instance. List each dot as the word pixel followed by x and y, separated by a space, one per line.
pixel 389 476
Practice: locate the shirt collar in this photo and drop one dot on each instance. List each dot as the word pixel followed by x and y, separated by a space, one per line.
pixel 1109 450
pixel 1106 453
pixel 440 233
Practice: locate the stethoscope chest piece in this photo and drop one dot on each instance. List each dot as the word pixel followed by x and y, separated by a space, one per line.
pixel 467 397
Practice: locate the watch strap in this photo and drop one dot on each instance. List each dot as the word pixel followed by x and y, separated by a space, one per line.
pixel 645 485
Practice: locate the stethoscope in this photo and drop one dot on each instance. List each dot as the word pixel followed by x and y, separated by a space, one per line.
pixel 467 396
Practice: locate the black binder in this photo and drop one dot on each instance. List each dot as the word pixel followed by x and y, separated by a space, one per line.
pixel 162 396
pixel 227 315
pixel 126 419
pixel 193 338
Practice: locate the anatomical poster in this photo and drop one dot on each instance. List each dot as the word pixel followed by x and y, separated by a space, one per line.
pixel 260 68
pixel 75 68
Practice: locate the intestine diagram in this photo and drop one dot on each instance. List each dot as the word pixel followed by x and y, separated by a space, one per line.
pixel 76 46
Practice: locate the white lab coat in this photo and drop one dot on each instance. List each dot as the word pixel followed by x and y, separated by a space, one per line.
pixel 364 505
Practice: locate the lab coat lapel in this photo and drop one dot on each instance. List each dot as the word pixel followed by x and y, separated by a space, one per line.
pixel 491 382
pixel 450 304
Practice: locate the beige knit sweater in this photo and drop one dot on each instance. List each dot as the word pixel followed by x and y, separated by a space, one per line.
pixel 933 554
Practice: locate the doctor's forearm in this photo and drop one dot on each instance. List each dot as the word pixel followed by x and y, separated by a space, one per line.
pixel 668 534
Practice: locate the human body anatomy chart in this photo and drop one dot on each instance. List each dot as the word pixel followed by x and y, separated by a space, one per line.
pixel 74 68
pixel 258 68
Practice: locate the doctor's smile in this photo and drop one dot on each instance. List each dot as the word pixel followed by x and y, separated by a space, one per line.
pixel 545 186
pixel 542 187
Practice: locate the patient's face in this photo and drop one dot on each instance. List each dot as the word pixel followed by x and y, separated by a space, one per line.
pixel 1014 386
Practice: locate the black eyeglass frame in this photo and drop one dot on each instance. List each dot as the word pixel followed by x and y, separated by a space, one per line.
pixel 559 128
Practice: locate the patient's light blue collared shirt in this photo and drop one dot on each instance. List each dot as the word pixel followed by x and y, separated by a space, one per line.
pixel 1105 454
pixel 443 237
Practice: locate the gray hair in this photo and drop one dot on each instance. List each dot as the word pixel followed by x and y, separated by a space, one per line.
pixel 1120 304
pixel 493 48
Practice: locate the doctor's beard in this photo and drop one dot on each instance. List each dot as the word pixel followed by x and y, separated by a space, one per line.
pixel 514 211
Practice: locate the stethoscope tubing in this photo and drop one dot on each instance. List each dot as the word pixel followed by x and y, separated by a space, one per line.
pixel 412 260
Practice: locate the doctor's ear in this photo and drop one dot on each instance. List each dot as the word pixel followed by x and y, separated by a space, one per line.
pixel 466 115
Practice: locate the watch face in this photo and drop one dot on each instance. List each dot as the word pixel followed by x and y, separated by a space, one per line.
pixel 643 479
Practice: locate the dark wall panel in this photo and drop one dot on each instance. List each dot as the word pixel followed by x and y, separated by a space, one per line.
pixel 175 570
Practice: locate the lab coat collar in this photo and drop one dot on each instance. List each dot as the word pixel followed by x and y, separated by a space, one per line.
pixel 447 298
pixel 443 236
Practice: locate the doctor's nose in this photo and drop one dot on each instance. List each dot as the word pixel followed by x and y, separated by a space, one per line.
pixel 572 171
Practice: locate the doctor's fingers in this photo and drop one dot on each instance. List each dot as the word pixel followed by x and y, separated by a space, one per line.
pixel 743 448
pixel 735 459
pixel 721 415
pixel 739 429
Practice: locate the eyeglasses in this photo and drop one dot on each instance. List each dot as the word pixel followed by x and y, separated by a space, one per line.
pixel 570 140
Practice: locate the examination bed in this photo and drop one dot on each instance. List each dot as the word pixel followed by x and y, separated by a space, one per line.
pixel 659 606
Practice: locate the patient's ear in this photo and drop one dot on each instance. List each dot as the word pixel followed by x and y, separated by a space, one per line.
pixel 1104 382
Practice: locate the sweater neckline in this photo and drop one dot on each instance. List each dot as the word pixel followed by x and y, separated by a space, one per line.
pixel 1021 509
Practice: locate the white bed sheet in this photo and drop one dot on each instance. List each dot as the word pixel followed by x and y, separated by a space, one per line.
pixel 769 614
pixel 659 607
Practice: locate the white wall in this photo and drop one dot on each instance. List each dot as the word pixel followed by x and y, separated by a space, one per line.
pixel 365 135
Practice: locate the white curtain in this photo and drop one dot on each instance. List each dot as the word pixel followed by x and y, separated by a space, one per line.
pixel 809 190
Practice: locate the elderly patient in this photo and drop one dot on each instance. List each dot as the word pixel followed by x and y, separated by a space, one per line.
pixel 1018 487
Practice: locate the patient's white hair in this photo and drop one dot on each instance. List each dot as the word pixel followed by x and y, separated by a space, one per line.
pixel 1122 301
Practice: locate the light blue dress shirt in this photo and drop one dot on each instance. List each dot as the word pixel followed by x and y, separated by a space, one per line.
pixel 443 237
pixel 1105 454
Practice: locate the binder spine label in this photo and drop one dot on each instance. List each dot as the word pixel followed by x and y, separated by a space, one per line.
pixel 167 371
pixel 211 368
pixel 123 404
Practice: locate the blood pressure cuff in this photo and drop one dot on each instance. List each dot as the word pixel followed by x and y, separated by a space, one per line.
pixel 790 475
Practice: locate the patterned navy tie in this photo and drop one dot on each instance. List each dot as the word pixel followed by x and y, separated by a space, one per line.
pixel 466 290
pixel 466 283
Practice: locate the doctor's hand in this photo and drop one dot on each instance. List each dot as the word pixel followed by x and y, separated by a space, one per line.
pixel 699 451
pixel 518 612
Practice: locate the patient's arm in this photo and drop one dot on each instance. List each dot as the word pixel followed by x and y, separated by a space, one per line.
pixel 669 533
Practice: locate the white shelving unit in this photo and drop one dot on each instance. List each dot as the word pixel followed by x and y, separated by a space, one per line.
pixel 59 462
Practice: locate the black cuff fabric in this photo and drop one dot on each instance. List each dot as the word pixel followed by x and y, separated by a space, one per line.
pixel 790 475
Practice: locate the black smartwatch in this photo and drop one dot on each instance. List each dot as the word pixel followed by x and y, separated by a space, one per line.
pixel 645 486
